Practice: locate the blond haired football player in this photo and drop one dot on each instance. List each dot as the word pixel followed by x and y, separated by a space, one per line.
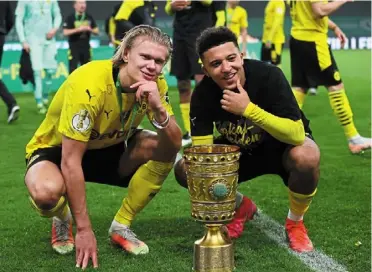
pixel 91 133
pixel 312 62
pixel 273 33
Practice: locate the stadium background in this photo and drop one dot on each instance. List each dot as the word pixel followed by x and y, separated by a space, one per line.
pixel 355 21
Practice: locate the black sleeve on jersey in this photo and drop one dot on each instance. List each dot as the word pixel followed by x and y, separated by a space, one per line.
pixel 201 112
pixel 69 22
pixel 280 99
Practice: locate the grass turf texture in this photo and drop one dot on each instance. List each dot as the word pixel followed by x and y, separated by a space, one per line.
pixel 338 218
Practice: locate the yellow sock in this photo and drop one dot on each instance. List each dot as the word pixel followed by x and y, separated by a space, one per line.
pixel 300 97
pixel 143 186
pixel 185 113
pixel 299 203
pixel 61 210
pixel 341 107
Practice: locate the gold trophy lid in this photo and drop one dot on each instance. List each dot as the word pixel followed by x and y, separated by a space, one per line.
pixel 212 149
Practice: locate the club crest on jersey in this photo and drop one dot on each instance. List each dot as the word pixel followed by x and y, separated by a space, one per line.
pixel 143 108
pixel 81 121
pixel 336 76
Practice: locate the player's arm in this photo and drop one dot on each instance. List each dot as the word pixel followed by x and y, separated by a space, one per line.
pixel 220 12
pixel 244 31
pixel 278 19
pixel 201 119
pixel 283 129
pixel 76 123
pixel 221 18
pixel 20 13
pixel 338 32
pixel 112 29
pixel 174 5
pixel 57 20
pixel 69 28
pixel 95 29
pixel 161 115
pixel 56 13
pixel 321 9
pixel 72 171
pixel 282 119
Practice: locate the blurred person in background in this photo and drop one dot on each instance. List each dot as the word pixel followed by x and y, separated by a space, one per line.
pixel 219 13
pixel 273 36
pixel 78 27
pixel 128 14
pixel 190 19
pixel 6 24
pixel 313 64
pixel 237 22
pixel 37 23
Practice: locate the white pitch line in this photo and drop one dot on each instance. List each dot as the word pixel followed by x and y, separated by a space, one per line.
pixel 315 260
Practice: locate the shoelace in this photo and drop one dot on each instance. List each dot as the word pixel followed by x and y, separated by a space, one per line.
pixel 128 234
pixel 62 229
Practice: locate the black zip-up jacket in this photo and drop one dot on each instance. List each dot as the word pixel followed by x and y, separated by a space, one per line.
pixel 6 17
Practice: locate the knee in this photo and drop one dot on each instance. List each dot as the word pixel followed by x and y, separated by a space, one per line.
pixel 336 87
pixel 184 86
pixel 180 173
pixel 305 159
pixel 46 195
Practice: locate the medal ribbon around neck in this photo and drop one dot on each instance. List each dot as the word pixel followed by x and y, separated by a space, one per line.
pixel 132 116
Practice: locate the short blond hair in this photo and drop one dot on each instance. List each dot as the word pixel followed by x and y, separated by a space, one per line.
pixel 154 34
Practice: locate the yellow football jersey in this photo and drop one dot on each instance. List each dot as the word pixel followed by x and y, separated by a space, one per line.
pixel 304 26
pixel 274 22
pixel 236 19
pixel 127 8
pixel 86 108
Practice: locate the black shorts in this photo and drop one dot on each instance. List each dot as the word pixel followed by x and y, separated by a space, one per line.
pixel 312 64
pixel 266 159
pixel 272 55
pixel 185 62
pixel 99 165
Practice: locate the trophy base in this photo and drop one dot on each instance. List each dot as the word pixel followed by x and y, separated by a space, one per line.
pixel 214 252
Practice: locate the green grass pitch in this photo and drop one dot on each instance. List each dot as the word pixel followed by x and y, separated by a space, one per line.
pixel 339 217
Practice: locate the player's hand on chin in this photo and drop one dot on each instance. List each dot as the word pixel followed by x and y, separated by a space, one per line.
pixel 233 102
pixel 148 90
pixel 86 248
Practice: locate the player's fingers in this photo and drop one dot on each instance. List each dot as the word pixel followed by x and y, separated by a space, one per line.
pixel 227 92
pixel 137 84
pixel 224 107
pixel 85 259
pixel 95 259
pixel 224 102
pixel 139 94
pixel 225 96
pixel 239 86
pixel 79 257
